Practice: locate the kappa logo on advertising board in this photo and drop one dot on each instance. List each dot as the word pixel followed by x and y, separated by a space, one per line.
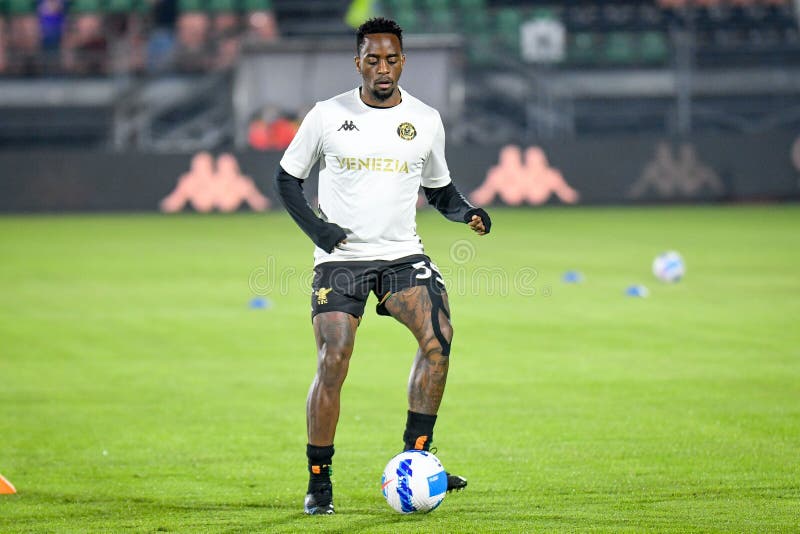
pixel 672 175
pixel 530 182
pixel 208 186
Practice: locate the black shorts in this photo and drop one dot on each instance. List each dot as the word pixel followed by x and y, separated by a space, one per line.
pixel 346 285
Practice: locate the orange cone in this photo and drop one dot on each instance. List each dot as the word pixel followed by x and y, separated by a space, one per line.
pixel 6 487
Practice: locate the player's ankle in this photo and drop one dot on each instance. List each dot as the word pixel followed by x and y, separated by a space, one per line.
pixel 319 467
pixel 419 431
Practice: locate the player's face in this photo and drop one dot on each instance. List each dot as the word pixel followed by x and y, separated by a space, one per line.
pixel 380 63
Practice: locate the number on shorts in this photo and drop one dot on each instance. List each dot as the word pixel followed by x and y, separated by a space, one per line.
pixel 427 271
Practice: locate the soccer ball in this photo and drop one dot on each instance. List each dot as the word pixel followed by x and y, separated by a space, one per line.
pixel 669 266
pixel 414 481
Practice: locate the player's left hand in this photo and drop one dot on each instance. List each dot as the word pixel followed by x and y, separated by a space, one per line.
pixel 480 223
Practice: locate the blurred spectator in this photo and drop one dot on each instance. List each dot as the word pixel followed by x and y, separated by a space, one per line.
pixel 24 38
pixel 194 51
pixel 225 32
pixel 124 29
pixel 3 44
pixel 85 47
pixel 52 16
pixel 161 39
pixel 271 129
pixel 261 25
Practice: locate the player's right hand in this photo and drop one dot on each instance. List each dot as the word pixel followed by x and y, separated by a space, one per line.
pixel 479 221
pixel 331 236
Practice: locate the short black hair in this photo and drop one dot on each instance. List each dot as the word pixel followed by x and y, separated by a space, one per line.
pixel 378 25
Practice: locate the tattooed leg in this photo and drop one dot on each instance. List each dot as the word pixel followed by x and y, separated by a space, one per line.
pixel 335 333
pixel 413 307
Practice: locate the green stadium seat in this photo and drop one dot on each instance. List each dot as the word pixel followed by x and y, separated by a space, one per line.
pixel 442 21
pixel 21 7
pixel 407 19
pixel 440 16
pixel 434 5
pixel 653 47
pixel 543 13
pixel 479 49
pixel 467 5
pixel 120 6
pixel 582 48
pixel 248 6
pixel 189 6
pixel 619 48
pixel 142 7
pixel 222 6
pixel 507 28
pixel 85 6
pixel 396 6
pixel 475 20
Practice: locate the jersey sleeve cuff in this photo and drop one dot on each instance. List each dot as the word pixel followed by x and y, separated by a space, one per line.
pixel 435 183
pixel 294 169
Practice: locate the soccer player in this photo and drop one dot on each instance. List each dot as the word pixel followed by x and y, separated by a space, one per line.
pixel 376 145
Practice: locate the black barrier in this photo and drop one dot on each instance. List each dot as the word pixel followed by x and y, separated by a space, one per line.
pixel 618 170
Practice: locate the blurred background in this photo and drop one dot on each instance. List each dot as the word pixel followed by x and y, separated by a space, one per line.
pixel 111 104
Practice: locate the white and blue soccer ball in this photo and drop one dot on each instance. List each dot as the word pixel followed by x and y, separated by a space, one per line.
pixel 414 481
pixel 669 267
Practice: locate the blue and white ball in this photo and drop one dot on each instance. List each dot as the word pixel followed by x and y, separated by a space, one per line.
pixel 669 267
pixel 414 481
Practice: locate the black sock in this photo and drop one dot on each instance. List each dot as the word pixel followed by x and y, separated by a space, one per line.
pixel 419 431
pixel 319 466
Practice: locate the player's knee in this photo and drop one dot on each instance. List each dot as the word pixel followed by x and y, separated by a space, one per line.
pixel 333 362
pixel 439 337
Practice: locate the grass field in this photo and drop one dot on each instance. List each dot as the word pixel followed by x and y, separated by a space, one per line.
pixel 138 391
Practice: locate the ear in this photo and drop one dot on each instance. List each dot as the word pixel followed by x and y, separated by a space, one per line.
pixel 358 63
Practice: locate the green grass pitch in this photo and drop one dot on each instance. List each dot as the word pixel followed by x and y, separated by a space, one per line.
pixel 139 392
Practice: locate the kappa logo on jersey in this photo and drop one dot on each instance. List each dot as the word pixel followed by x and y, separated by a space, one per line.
pixel 322 294
pixel 406 131
pixel 348 126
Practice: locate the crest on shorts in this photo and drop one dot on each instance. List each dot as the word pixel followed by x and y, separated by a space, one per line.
pixel 406 131
pixel 322 294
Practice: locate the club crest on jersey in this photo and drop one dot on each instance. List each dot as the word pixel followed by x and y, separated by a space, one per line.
pixel 322 294
pixel 406 131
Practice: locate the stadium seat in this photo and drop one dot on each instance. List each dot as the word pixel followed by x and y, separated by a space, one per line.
pixel 582 48
pixel 653 47
pixel 434 5
pixel 479 49
pixel 544 13
pixel 408 20
pixel 507 26
pixel 442 21
pixel 440 15
pixel 222 6
pixel 475 20
pixel 467 5
pixel 120 6
pixel 396 6
pixel 250 6
pixel 619 49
